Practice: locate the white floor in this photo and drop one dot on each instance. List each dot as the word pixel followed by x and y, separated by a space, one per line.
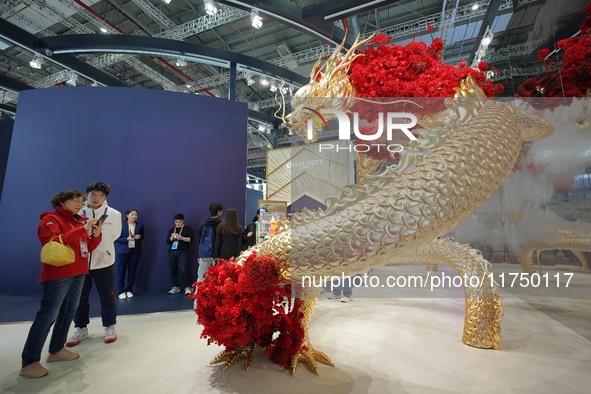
pixel 379 346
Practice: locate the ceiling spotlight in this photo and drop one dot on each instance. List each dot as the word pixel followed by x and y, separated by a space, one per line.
pixel 257 21
pixel 167 1
pixel 36 62
pixel 262 128
pixel 264 81
pixel 103 30
pixel 475 7
pixel 181 62
pixel 249 79
pixel 273 87
pixel 73 77
pixel 210 7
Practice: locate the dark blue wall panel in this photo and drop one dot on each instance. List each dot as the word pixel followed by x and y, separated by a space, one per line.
pixel 5 137
pixel 162 153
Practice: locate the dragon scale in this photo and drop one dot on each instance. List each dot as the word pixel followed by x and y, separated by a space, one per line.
pixel 565 239
pixel 422 204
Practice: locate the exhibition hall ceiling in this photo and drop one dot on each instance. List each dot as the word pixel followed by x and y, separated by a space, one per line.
pixel 81 43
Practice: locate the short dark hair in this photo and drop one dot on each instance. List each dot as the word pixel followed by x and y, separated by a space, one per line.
pixel 215 207
pixel 179 216
pixel 99 187
pixel 64 196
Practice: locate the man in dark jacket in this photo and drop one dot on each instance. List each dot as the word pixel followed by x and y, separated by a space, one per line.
pixel 206 238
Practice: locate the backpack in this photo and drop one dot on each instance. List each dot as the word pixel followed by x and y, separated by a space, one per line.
pixel 206 242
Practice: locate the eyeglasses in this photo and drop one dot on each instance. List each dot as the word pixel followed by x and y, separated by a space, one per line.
pixel 97 195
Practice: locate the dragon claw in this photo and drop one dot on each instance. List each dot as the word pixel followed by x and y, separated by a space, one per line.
pixel 231 356
pixel 309 358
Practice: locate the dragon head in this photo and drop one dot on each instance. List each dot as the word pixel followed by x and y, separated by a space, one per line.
pixel 329 87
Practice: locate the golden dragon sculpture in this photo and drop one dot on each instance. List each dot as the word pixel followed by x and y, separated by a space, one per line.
pixel 574 241
pixel 404 211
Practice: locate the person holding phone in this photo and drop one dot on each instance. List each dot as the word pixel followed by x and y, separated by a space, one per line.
pixel 102 266
pixel 61 286
pixel 129 249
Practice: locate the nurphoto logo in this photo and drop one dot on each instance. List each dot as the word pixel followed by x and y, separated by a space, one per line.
pixel 387 123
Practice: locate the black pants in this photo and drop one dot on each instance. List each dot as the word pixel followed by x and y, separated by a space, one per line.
pixel 104 279
pixel 127 264
pixel 177 262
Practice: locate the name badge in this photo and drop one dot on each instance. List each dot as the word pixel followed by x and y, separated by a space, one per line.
pixel 175 245
pixel 84 249
pixel 131 243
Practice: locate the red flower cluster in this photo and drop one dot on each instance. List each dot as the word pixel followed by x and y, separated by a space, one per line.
pixel 413 70
pixel 574 78
pixel 241 305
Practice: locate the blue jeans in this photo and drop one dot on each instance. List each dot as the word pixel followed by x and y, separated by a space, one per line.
pixel 177 261
pixel 347 291
pixel 59 301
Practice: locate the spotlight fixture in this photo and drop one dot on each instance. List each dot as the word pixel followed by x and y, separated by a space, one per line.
pixel 262 128
pixel 73 77
pixel 210 7
pixel 103 30
pixel 257 21
pixel 167 1
pixel 181 62
pixel 36 62
pixel 273 86
pixel 475 7
pixel 248 78
pixel 264 81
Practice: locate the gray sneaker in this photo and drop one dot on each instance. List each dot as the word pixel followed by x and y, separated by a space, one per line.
pixel 79 335
pixel 110 335
pixel 174 290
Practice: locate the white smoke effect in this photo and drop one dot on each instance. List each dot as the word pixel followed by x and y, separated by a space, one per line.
pixel 522 211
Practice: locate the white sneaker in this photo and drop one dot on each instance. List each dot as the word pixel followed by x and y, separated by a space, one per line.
pixel 345 299
pixel 174 290
pixel 110 335
pixel 79 335
pixel 122 296
pixel 188 290
pixel 129 294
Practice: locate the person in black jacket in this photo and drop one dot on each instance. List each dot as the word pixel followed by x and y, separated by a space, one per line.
pixel 228 237
pixel 178 239
pixel 250 233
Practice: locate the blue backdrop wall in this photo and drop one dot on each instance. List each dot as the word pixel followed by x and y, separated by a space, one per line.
pixel 161 152
pixel 5 137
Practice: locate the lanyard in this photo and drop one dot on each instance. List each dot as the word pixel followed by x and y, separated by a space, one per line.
pixel 84 212
pixel 129 229
pixel 181 230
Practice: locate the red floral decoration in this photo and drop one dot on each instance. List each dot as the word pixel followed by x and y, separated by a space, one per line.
pixel 574 77
pixel 241 305
pixel 413 70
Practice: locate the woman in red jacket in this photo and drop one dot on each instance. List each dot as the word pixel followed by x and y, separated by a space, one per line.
pixel 61 286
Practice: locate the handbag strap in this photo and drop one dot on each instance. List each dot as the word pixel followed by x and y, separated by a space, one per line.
pixel 60 238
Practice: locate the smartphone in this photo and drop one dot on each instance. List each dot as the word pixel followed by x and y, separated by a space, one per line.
pixel 101 219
